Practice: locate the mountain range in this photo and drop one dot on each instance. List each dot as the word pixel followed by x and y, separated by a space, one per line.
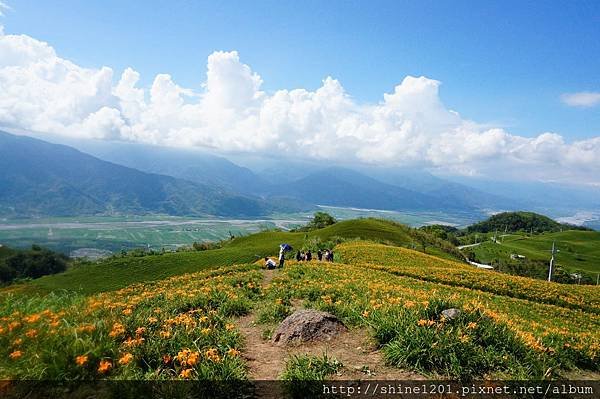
pixel 308 182
pixel 87 177
pixel 43 179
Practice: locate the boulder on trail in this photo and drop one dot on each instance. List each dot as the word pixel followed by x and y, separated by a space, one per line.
pixel 451 313
pixel 307 325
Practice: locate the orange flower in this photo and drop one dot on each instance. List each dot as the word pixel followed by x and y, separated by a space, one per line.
pixel 165 334
pixel 365 313
pixel 125 359
pixel 127 311
pixel 472 326
pixel 140 330
pixel 185 373
pixel 13 325
pixel 16 355
pixel 117 330
pixel 32 319
pixel 31 333
pixel 81 360
pixel 213 355
pixel 193 358
pixel 18 341
pixel 229 326
pixel 104 366
pixel 233 352
pixel 167 359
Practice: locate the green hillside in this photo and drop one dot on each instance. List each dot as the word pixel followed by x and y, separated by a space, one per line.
pixel 579 250
pixel 115 273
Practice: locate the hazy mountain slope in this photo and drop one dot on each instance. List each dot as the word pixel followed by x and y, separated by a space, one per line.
pixel 193 165
pixel 460 195
pixel 40 178
pixel 345 187
pixel 543 196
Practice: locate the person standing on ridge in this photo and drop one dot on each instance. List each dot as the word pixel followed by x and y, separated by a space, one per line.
pixel 283 248
pixel 281 257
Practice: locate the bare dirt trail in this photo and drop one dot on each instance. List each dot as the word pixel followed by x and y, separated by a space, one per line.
pixel 354 349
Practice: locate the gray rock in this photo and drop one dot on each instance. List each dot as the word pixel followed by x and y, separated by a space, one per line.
pixel 451 314
pixel 307 325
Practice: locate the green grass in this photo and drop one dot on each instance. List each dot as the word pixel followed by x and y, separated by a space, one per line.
pixel 303 374
pixel 310 368
pixel 113 274
pixel 579 250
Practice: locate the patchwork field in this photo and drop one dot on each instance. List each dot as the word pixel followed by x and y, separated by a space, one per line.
pixel 122 233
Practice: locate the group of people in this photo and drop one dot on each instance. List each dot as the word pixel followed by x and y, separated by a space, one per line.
pixel 307 256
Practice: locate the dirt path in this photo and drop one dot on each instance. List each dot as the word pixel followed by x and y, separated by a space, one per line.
pixel 354 349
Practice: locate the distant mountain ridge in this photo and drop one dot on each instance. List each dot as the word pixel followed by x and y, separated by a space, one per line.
pixel 347 188
pixel 216 185
pixel 43 179
pixel 301 183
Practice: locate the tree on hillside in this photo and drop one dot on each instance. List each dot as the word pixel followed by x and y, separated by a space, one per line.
pixel 33 263
pixel 322 219
pixel 319 220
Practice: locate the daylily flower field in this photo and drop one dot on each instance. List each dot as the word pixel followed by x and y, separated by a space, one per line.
pixel 184 327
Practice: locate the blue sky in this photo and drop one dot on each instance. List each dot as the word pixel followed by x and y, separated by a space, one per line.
pixel 507 89
pixel 505 63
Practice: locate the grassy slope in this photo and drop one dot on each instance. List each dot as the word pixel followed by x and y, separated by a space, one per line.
pixel 579 250
pixel 111 275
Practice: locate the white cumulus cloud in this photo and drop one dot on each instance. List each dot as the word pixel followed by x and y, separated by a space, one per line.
pixel 43 92
pixel 582 99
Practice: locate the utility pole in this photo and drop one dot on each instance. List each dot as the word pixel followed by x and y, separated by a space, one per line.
pixel 597 278
pixel 552 261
